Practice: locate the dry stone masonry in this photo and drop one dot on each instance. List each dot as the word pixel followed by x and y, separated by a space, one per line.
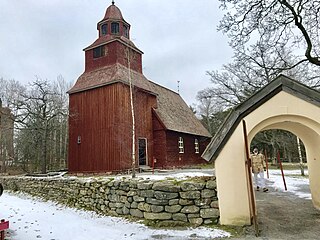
pixel 166 202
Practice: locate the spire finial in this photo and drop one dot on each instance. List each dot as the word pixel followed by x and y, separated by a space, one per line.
pixel 112 2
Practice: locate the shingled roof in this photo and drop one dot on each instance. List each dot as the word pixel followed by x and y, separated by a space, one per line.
pixel 107 75
pixel 173 112
pixel 281 83
pixel 103 40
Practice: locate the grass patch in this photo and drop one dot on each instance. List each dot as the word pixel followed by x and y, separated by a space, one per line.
pixel 200 166
pixel 235 231
pixel 166 224
pixel 287 166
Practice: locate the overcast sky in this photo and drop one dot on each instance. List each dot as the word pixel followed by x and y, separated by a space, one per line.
pixel 179 39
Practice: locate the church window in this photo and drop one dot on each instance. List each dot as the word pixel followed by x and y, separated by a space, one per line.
pixel 181 145
pixel 196 146
pixel 104 29
pixel 125 31
pixel 98 52
pixel 115 28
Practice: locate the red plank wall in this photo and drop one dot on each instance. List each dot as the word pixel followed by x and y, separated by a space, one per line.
pixel 189 157
pixel 102 117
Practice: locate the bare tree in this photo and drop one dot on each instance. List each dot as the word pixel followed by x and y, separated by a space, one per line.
pixel 38 112
pixel 250 71
pixel 300 157
pixel 133 130
pixel 276 25
pixel 211 114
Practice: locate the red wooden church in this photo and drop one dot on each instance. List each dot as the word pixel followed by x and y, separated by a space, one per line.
pixel 100 133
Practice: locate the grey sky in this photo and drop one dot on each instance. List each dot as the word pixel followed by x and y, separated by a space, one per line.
pixel 45 38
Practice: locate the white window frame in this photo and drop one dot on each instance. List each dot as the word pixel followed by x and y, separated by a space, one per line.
pixel 196 145
pixel 181 145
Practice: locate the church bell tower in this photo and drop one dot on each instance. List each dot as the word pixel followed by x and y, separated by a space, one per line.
pixel 113 45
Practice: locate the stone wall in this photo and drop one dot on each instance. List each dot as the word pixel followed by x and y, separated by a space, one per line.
pixel 165 202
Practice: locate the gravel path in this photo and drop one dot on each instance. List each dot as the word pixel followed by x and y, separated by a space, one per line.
pixel 283 215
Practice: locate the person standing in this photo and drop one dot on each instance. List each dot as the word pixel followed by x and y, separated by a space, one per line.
pixel 258 167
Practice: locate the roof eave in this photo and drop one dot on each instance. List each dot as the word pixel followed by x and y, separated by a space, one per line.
pixel 281 83
pixel 109 83
pixel 113 40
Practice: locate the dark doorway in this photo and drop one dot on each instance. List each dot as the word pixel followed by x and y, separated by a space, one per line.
pixel 142 151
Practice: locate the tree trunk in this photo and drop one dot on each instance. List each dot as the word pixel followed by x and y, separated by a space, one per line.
pixel 300 157
pixel 133 154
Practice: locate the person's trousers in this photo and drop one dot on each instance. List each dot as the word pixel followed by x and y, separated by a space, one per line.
pixel 259 179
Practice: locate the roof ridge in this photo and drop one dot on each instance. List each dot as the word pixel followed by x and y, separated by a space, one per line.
pixel 163 87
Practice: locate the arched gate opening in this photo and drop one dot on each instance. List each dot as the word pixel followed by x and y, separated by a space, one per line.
pixel 282 104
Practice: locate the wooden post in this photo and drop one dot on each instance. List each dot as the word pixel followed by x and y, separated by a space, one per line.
pixel 153 163
pixel 281 168
pixel 3 226
pixel 267 165
pixel 1 189
pixel 249 179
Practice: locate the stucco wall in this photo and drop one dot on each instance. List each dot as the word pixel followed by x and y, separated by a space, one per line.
pixel 167 203
pixel 283 111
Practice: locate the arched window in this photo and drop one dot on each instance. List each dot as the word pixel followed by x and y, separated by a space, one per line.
pixel 104 29
pixel 196 146
pixel 115 28
pixel 181 145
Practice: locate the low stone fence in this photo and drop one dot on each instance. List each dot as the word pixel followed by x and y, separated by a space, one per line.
pixel 164 203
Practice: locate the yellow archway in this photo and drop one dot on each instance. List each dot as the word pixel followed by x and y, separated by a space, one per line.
pixel 283 104
pixel 309 132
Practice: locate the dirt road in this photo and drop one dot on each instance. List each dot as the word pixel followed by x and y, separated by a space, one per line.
pixel 283 215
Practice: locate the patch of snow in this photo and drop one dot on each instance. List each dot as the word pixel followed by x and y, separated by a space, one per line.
pixel 179 174
pixel 296 183
pixel 31 218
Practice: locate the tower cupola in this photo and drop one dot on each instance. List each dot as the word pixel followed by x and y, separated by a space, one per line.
pixel 113 23
pixel 113 43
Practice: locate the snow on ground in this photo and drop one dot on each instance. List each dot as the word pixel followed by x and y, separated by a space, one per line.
pixel 32 218
pixel 296 184
pixel 158 175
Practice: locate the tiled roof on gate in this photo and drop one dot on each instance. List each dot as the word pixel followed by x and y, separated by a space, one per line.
pixel 171 108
